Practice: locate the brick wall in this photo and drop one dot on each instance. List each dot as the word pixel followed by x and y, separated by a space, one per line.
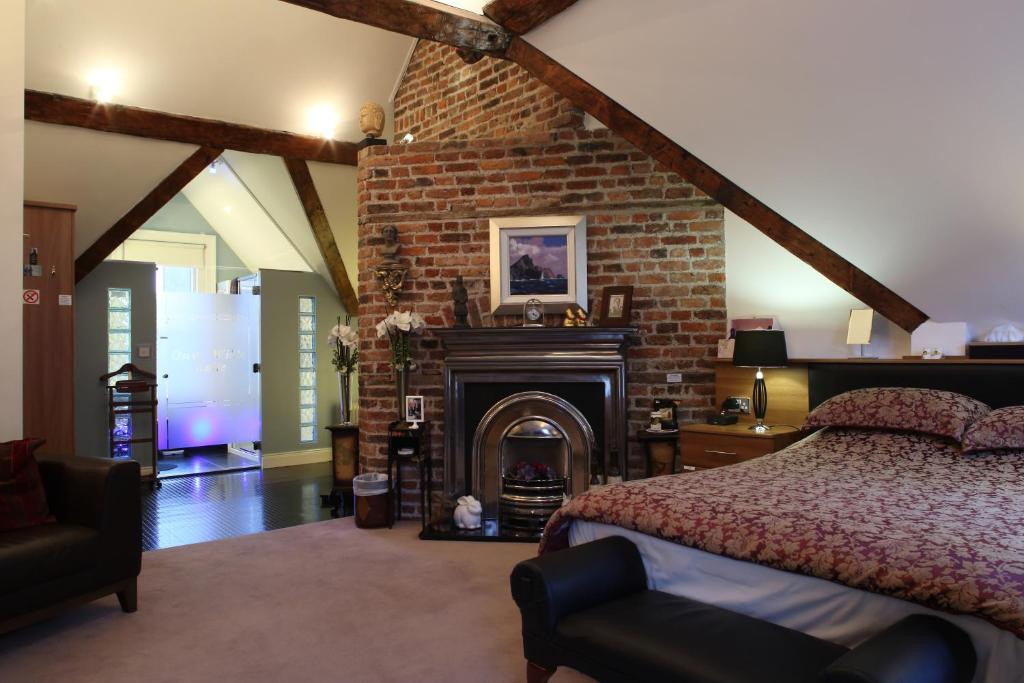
pixel 646 228
pixel 441 97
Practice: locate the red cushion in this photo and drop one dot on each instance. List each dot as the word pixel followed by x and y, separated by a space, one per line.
pixel 22 497
pixel 928 411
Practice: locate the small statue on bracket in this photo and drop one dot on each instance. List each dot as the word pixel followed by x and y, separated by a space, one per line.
pixel 461 297
pixel 391 272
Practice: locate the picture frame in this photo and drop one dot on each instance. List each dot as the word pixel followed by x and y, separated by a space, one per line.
pixel 616 306
pixel 538 257
pixel 414 409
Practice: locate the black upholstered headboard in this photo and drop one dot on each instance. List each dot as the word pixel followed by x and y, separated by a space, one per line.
pixel 998 385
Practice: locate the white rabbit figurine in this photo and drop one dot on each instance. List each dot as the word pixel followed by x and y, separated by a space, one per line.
pixel 467 514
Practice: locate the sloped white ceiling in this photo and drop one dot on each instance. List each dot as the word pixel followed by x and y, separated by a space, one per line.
pixel 889 131
pixel 239 217
pixel 267 179
pixel 104 175
pixel 260 62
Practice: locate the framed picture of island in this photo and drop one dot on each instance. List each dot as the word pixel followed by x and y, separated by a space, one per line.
pixel 538 257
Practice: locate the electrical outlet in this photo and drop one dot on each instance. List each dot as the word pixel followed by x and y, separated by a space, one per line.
pixel 674 378
pixel 743 402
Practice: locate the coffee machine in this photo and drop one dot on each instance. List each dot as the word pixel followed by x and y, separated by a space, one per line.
pixel 664 411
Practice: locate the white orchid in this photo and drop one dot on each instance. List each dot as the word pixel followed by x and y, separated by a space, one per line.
pixel 343 334
pixel 344 339
pixel 397 327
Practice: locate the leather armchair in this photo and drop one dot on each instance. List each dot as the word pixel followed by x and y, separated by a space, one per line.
pixel 589 608
pixel 94 548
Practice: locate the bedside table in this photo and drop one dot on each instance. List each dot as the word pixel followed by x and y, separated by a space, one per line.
pixel 705 446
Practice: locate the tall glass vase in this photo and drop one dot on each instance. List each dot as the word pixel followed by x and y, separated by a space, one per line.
pixel 344 394
pixel 401 389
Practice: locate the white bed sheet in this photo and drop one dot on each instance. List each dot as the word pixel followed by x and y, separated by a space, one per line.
pixel 820 608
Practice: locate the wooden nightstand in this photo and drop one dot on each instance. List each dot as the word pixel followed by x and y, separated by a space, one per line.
pixel 704 446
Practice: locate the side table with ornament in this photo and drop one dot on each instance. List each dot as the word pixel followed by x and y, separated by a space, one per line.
pixel 406 446
pixel 662 449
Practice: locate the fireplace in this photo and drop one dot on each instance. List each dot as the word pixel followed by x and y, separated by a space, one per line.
pixel 528 413
pixel 530 451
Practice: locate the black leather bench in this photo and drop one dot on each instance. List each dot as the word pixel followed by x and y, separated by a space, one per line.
pixel 589 608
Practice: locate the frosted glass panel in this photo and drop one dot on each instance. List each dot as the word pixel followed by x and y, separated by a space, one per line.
pixel 307 378
pixel 307 433
pixel 306 304
pixel 119 341
pixel 306 342
pixel 208 345
pixel 307 360
pixel 306 323
pixel 307 397
pixel 119 298
pixel 307 415
pixel 119 320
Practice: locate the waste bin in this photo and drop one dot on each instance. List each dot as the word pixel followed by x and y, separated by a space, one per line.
pixel 371 492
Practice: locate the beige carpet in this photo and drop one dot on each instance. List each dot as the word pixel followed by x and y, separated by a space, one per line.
pixel 320 602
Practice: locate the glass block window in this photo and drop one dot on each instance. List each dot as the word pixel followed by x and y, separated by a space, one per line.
pixel 307 369
pixel 119 352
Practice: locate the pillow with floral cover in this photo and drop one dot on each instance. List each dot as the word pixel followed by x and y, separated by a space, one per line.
pixel 1000 430
pixel 929 411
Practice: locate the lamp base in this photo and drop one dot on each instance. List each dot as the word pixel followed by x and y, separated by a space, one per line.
pixel 760 427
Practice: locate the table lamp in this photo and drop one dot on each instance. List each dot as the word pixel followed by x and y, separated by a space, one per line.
pixel 760 349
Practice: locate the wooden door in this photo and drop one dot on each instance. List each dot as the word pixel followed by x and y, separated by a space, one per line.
pixel 49 328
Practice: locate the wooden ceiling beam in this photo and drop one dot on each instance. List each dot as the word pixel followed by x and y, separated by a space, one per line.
pixel 419 21
pixel 156 125
pixel 677 159
pixel 522 16
pixel 144 210
pixel 298 169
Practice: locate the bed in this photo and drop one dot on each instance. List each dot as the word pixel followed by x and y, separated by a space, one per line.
pixel 838 536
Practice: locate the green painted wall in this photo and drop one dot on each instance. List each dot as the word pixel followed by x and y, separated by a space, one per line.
pixel 279 358
pixel 91 350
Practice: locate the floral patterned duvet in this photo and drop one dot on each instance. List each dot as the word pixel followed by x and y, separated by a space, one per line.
pixel 896 513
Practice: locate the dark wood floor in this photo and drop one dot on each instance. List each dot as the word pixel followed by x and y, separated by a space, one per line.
pixel 208 507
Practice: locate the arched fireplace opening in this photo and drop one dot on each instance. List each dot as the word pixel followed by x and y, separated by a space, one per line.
pixel 530 451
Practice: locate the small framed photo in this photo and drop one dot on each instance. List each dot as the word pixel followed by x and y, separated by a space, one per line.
pixel 414 409
pixel 616 306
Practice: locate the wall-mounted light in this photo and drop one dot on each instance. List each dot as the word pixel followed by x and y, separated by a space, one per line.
pixel 322 120
pixel 407 138
pixel 104 85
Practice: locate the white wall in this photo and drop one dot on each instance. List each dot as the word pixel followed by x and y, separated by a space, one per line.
pixel 762 278
pixel 890 131
pixel 12 160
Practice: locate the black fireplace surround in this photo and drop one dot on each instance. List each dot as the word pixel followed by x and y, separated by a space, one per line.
pixel 584 367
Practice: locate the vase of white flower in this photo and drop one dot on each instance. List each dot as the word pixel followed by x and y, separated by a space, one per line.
pixel 398 327
pixel 344 341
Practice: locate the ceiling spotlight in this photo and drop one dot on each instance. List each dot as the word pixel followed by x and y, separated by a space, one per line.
pixel 322 120
pixel 227 209
pixel 104 85
pixel 213 166
pixel 407 138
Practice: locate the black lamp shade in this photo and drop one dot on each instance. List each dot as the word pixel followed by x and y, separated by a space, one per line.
pixel 760 349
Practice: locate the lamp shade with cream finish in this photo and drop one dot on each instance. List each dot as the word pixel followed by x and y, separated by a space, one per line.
pixel 859 331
